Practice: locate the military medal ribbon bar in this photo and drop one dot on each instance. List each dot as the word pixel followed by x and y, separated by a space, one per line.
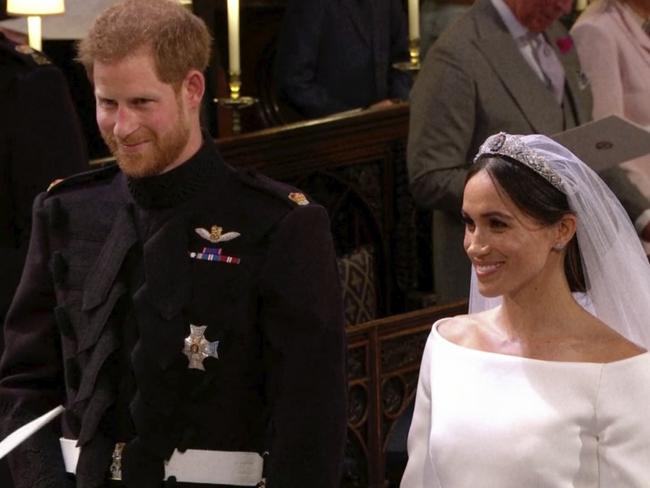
pixel 214 254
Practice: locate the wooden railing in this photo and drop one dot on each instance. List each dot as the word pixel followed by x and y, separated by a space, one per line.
pixel 383 365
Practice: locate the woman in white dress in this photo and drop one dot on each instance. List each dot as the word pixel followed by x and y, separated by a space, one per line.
pixel 546 383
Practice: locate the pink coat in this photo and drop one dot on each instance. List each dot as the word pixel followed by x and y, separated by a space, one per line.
pixel 614 53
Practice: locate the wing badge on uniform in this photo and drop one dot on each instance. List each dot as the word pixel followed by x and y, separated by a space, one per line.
pixel 197 347
pixel 216 234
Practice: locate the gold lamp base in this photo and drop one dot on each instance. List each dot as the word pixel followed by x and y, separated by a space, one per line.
pixel 235 101
pixel 413 65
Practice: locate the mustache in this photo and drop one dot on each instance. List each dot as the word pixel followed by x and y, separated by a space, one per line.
pixel 113 142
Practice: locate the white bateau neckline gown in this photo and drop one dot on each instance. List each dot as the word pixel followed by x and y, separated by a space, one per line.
pixel 490 420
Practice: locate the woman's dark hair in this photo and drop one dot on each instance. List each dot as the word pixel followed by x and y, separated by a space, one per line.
pixel 537 198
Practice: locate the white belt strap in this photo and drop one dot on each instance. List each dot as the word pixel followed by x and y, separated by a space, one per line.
pixel 20 435
pixel 193 465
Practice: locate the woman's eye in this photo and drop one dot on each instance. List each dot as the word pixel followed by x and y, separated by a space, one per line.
pixel 498 224
pixel 469 223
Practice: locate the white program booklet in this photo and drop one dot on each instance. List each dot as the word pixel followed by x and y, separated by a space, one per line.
pixel 606 142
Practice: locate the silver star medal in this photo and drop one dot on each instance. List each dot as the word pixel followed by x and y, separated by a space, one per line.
pixel 197 347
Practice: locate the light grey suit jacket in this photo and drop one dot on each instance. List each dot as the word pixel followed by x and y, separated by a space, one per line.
pixel 474 83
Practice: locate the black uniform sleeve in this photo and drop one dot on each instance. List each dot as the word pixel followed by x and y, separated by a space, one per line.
pixel 40 140
pixel 302 321
pixel 31 381
pixel 47 141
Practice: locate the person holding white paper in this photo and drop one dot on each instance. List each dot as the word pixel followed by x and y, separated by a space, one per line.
pixel 613 42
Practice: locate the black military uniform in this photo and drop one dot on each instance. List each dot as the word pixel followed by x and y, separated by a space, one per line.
pixel 118 270
pixel 40 140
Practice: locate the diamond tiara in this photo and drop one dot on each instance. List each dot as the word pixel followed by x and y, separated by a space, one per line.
pixel 503 144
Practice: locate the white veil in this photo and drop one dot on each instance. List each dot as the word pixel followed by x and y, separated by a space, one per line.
pixel 615 266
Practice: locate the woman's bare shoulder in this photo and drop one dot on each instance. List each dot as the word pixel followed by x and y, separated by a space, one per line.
pixel 464 329
pixel 607 345
pixel 589 339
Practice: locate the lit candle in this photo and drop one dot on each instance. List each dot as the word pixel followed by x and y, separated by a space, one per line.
pixel 414 19
pixel 34 32
pixel 233 36
pixel 581 5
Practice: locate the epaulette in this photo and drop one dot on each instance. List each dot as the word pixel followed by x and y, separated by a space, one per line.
pixel 288 194
pixel 24 53
pixel 84 178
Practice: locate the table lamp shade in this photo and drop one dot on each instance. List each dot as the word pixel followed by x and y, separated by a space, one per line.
pixel 35 7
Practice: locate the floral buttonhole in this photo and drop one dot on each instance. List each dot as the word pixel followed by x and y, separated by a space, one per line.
pixel 564 44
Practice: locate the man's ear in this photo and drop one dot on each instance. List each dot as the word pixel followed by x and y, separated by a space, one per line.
pixel 194 87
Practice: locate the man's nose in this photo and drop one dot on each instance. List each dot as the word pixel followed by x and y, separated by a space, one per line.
pixel 125 123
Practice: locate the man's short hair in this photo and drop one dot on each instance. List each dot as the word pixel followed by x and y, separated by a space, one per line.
pixel 178 40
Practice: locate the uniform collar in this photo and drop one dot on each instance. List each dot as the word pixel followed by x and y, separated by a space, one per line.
pixel 180 184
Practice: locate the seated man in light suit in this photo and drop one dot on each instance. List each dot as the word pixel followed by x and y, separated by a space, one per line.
pixel 506 65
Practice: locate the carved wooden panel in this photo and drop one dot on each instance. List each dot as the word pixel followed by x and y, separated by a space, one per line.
pixel 384 362
pixel 354 164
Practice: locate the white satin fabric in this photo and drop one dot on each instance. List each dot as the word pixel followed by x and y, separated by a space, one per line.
pixel 490 420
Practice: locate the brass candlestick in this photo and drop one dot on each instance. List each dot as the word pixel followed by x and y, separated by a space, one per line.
pixel 413 65
pixel 235 101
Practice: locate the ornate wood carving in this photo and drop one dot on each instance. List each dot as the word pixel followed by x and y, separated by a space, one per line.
pixel 354 164
pixel 392 349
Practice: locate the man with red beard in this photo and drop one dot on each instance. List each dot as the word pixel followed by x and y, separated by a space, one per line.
pixel 187 316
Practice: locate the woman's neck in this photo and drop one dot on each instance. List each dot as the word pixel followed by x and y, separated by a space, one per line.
pixel 540 310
